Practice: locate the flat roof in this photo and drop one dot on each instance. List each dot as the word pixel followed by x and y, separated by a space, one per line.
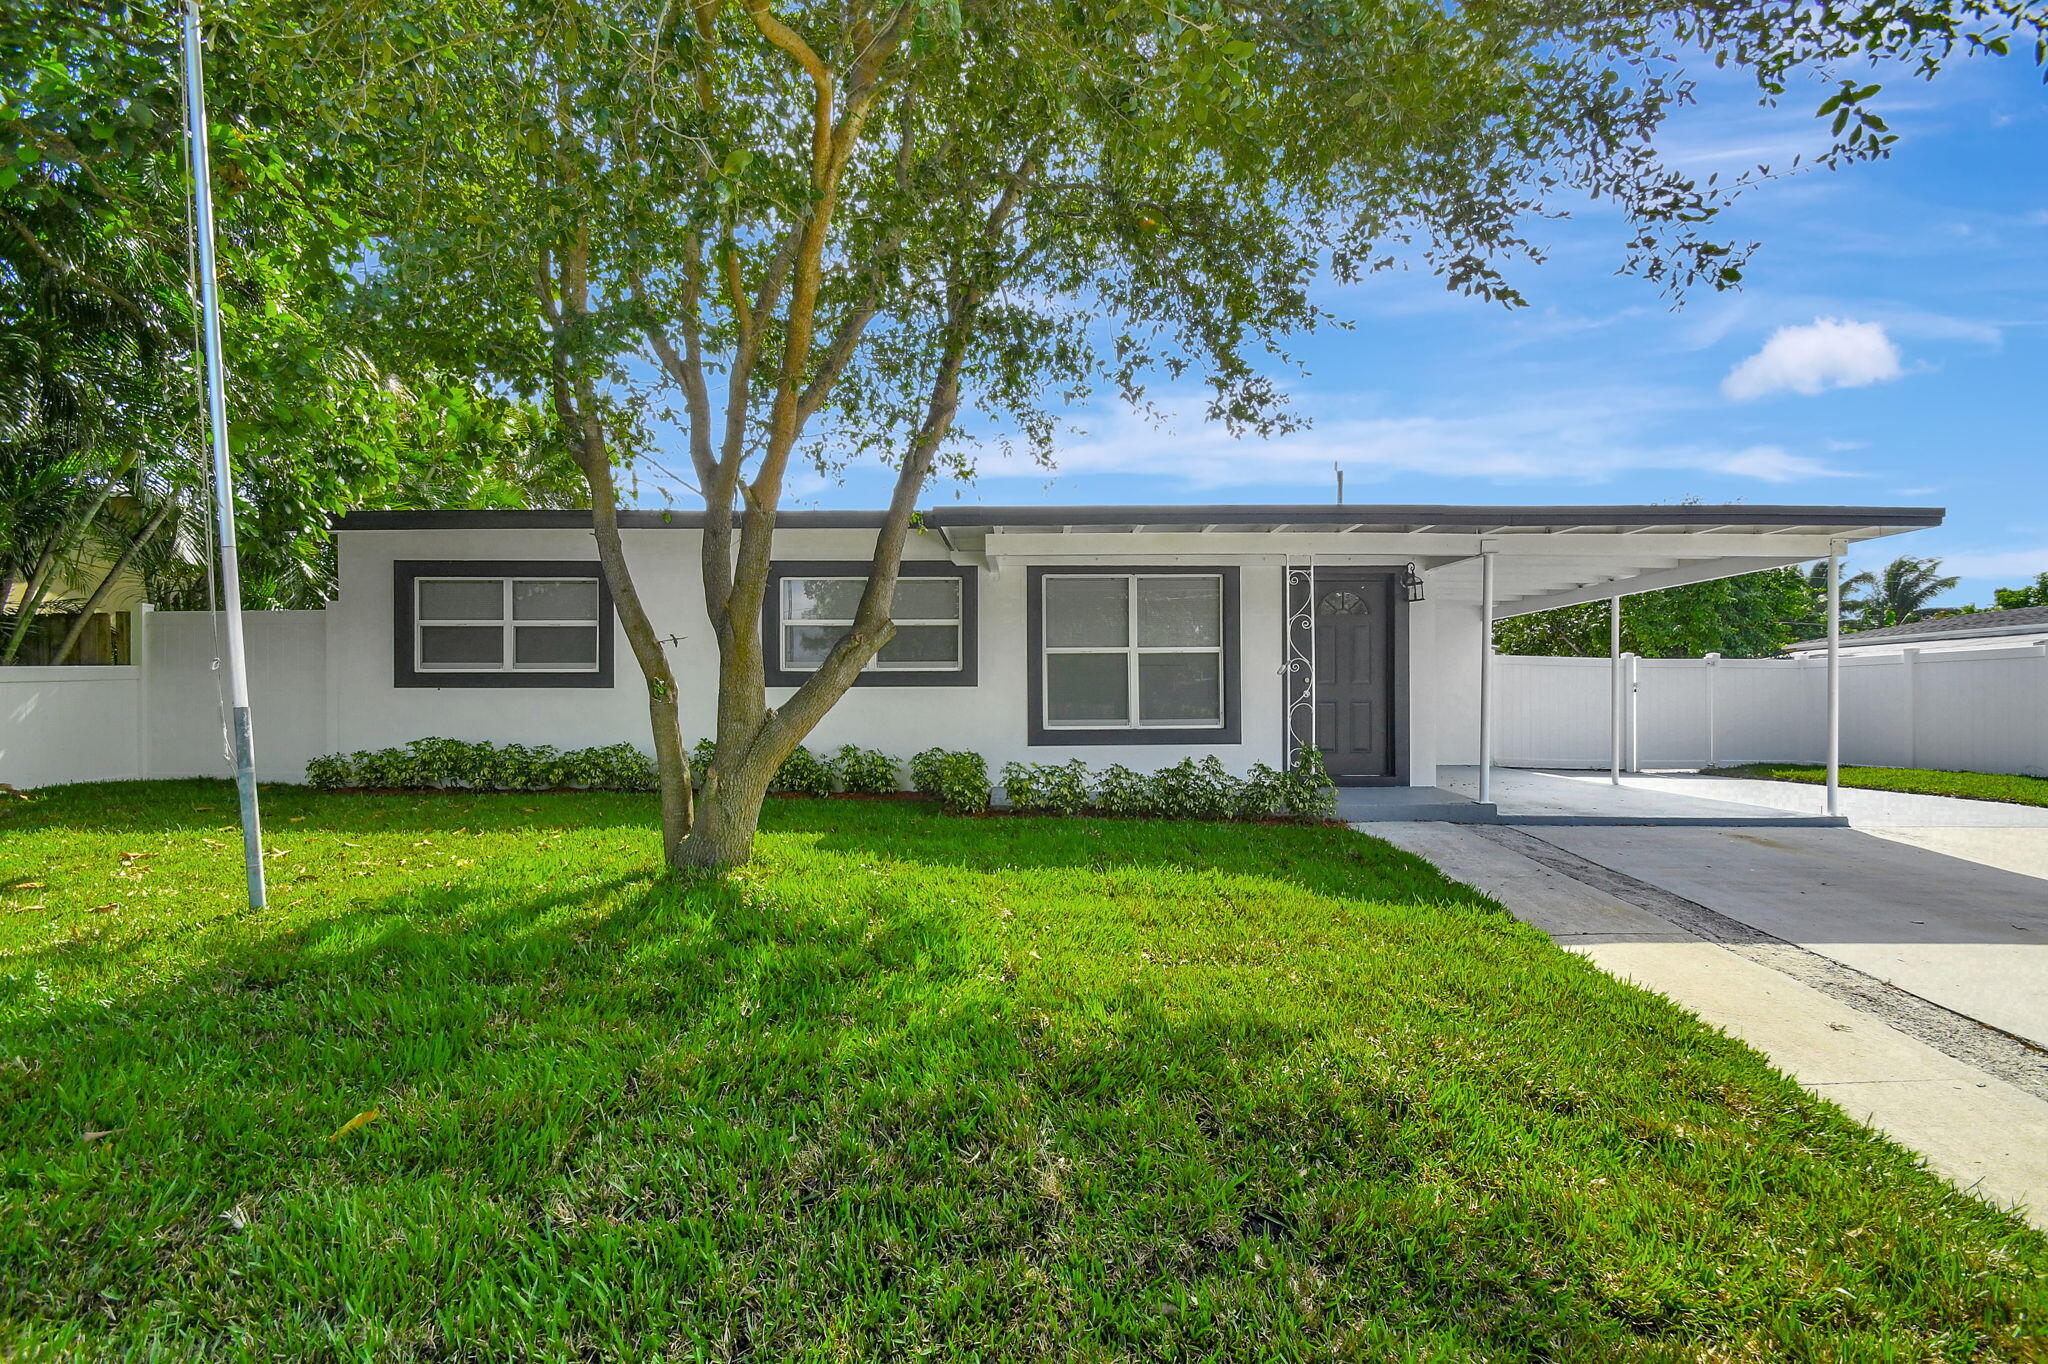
pixel 1325 518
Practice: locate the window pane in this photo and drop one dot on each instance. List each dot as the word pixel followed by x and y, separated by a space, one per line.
pixel 575 599
pixel 1087 689
pixel 573 646
pixel 821 598
pixel 446 645
pixel 923 644
pixel 1185 688
pixel 926 599
pixel 808 644
pixel 1091 611
pixel 442 599
pixel 1180 611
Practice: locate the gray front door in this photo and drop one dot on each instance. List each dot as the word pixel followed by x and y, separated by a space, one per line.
pixel 1354 623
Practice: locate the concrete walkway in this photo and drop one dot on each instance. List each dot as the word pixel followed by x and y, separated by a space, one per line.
pixel 1909 985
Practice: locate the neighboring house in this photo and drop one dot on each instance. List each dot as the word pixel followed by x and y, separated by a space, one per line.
pixel 107 637
pixel 1968 630
pixel 1138 635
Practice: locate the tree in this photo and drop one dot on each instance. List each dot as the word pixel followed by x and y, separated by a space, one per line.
pixel 831 227
pixel 1900 592
pixel 104 465
pixel 1752 616
pixel 2012 598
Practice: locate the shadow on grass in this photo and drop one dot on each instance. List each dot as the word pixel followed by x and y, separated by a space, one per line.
pixel 914 1083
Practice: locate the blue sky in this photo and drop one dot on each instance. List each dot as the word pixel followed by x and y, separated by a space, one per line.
pixel 1890 346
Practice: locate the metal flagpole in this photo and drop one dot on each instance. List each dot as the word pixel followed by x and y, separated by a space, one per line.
pixel 223 483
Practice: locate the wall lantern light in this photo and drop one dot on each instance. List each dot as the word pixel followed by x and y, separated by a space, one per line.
pixel 1411 583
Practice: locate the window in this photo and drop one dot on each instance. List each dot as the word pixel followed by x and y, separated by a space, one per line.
pixel 817 611
pixel 811 606
pixel 1132 657
pixel 502 624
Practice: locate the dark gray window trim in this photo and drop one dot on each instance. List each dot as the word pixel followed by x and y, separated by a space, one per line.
pixel 404 572
pixel 1295 597
pixel 970 622
pixel 1034 639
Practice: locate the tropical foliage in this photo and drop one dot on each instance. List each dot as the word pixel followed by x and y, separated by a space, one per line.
pixel 2012 598
pixel 1901 591
pixel 105 467
pixel 1752 616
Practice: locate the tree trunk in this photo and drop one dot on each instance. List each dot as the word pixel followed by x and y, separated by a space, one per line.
pixel 664 712
pixel 729 812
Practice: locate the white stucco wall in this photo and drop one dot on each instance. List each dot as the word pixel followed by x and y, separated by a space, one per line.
pixel 367 711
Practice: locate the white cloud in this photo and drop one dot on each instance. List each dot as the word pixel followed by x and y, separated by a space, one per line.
pixel 1997 563
pixel 1827 353
pixel 1579 437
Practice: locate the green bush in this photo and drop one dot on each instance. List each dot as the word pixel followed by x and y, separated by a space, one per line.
pixel 434 764
pixel 1047 788
pixel 1261 795
pixel 957 778
pixel 615 767
pixel 865 771
pixel 1307 789
pixel 1192 789
pixel 1122 790
pixel 331 772
pixel 803 773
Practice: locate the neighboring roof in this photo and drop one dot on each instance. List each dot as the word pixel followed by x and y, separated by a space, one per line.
pixel 1323 517
pixel 2021 620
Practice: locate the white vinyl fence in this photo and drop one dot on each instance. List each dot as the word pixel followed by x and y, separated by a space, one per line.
pixel 162 717
pixel 1981 710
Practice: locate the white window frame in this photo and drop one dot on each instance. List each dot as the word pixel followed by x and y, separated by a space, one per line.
pixel 508 653
pixel 958 620
pixel 1133 652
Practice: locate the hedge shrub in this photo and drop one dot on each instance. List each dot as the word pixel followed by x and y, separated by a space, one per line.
pixel 865 771
pixel 1194 788
pixel 1047 788
pixel 803 773
pixel 957 778
pixel 434 763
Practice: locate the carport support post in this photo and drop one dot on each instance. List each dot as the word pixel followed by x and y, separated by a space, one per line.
pixel 1835 678
pixel 1485 677
pixel 1614 689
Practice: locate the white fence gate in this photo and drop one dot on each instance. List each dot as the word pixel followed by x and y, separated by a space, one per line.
pixel 1981 710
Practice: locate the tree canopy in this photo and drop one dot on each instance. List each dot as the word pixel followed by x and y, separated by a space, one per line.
pixel 98 405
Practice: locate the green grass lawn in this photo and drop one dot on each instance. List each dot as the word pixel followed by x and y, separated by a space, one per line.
pixel 911 1085
pixel 1922 781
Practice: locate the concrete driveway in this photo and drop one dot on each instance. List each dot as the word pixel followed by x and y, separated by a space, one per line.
pixel 1969 937
pixel 1901 972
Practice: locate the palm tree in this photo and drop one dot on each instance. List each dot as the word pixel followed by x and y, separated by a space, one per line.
pixel 1901 593
pixel 1815 623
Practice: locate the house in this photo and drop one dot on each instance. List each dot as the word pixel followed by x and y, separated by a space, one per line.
pixel 2012 629
pixel 1132 634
